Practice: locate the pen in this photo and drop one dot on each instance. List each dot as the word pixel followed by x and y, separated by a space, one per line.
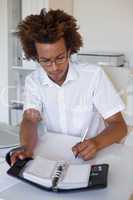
pixel 82 139
pixel 84 136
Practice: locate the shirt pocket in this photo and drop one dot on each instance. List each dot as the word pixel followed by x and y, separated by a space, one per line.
pixel 81 118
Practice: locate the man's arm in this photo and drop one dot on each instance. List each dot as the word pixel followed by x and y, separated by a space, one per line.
pixel 115 131
pixel 28 135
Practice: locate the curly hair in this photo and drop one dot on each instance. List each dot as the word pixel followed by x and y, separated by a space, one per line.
pixel 48 27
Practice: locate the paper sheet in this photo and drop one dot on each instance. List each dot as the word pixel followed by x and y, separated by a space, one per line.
pixel 58 147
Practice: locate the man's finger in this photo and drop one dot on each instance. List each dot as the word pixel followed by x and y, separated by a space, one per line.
pixel 78 148
pixel 14 157
pixel 89 155
pixel 75 151
pixel 17 155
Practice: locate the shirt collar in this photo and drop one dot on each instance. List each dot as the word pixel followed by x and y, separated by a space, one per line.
pixel 72 75
pixel 44 79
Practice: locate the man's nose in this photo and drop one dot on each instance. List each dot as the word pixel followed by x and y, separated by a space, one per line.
pixel 54 66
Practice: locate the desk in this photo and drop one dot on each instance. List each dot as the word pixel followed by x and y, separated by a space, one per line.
pixel 120 180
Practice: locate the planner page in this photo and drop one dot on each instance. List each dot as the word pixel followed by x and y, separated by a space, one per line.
pixel 76 176
pixel 40 170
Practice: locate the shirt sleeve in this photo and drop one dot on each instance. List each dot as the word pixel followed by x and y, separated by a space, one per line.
pixel 106 99
pixel 32 98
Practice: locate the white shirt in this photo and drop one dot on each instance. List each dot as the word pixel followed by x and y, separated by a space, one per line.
pixel 85 99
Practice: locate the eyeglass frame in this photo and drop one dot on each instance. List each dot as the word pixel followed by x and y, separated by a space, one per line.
pixel 56 61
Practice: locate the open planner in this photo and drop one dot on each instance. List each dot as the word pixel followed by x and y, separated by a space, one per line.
pixel 58 173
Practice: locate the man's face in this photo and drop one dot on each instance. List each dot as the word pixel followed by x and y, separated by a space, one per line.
pixel 54 59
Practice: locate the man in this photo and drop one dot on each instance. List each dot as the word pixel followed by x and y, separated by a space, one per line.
pixel 71 98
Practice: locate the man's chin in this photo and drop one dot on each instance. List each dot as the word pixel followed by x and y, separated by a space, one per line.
pixel 55 78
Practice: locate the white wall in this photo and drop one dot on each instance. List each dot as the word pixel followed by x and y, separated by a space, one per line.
pixel 66 5
pixel 106 25
pixel 3 62
pixel 33 6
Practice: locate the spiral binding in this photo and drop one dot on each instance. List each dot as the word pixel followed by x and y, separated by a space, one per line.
pixel 59 173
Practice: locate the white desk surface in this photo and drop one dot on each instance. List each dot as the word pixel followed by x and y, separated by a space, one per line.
pixel 120 180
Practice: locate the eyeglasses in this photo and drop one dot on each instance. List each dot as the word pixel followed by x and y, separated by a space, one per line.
pixel 49 62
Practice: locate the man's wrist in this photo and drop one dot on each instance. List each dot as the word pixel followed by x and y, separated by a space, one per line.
pixel 19 148
pixel 94 140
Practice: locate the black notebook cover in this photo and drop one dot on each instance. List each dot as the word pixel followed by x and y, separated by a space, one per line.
pixel 97 179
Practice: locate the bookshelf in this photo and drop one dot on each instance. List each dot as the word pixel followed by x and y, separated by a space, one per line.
pixel 14 52
pixel 18 66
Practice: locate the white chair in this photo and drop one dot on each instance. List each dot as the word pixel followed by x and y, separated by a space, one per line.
pixel 120 78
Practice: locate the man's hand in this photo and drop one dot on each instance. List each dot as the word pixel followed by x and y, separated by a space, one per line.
pixel 28 135
pixel 20 154
pixel 86 149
